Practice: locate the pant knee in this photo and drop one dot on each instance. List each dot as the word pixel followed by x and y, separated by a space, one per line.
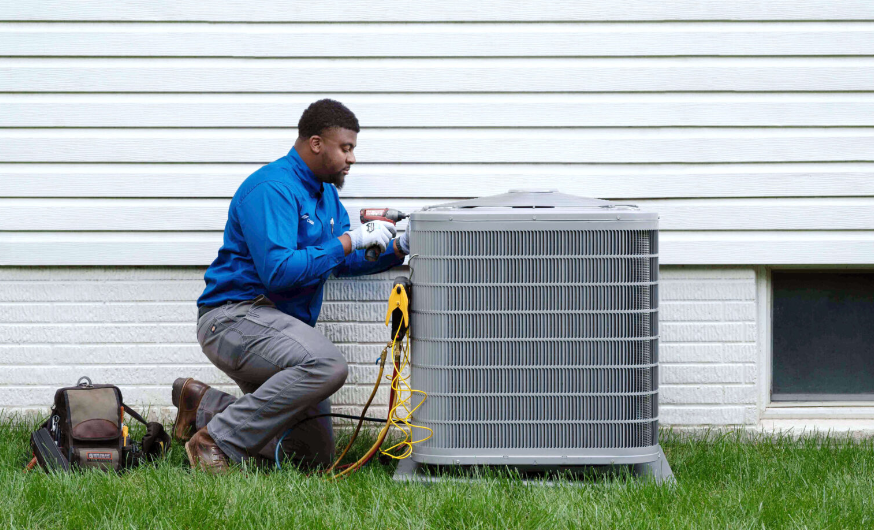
pixel 335 371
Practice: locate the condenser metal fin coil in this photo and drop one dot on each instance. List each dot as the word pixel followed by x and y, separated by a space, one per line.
pixel 534 329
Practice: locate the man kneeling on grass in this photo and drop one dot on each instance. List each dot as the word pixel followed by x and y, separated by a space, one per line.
pixel 286 233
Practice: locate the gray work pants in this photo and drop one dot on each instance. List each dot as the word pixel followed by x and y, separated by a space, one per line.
pixel 286 370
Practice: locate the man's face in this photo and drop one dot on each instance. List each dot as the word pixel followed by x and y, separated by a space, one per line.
pixel 336 155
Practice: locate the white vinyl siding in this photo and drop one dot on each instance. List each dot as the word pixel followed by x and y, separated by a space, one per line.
pixel 125 129
pixel 436 10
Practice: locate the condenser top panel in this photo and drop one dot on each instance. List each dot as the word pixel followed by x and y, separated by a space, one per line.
pixel 542 205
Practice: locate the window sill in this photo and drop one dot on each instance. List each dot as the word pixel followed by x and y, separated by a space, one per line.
pixel 819 410
pixel 857 428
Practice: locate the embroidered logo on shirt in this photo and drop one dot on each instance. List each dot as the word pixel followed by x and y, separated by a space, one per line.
pixel 306 217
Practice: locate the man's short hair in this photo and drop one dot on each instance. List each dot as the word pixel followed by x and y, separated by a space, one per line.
pixel 325 114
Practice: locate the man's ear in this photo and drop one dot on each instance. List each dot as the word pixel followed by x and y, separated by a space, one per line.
pixel 315 142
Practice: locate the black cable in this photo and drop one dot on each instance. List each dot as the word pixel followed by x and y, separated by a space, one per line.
pixel 308 418
pixel 347 416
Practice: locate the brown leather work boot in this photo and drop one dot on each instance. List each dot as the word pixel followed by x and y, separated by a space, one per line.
pixel 203 452
pixel 187 393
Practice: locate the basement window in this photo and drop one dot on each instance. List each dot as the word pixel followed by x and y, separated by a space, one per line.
pixel 823 336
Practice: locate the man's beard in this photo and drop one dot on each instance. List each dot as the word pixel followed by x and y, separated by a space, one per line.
pixel 337 179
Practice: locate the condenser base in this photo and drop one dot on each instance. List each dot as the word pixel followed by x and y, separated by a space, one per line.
pixel 409 470
pixel 658 470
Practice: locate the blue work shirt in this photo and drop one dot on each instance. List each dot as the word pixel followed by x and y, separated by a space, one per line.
pixel 281 241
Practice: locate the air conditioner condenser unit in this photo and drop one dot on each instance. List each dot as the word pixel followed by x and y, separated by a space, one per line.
pixel 534 332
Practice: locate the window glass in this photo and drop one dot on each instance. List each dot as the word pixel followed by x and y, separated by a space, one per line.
pixel 823 336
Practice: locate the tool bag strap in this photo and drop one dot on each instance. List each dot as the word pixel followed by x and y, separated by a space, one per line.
pixel 156 441
pixel 134 414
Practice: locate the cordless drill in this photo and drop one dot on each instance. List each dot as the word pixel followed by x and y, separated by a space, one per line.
pixel 379 214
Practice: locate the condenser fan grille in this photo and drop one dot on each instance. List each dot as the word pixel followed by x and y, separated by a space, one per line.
pixel 536 339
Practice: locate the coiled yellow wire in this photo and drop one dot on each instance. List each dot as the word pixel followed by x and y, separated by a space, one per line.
pixel 402 410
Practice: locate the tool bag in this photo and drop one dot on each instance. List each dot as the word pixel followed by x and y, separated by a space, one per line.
pixel 86 430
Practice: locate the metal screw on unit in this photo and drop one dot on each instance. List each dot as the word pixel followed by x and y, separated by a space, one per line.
pixel 533 217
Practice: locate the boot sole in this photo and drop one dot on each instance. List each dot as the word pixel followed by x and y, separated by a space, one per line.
pixel 176 395
pixel 177 398
pixel 191 463
pixel 190 456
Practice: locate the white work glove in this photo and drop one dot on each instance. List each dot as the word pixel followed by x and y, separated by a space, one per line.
pixel 404 241
pixel 372 233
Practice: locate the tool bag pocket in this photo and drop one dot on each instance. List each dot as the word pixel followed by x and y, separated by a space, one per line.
pixel 91 420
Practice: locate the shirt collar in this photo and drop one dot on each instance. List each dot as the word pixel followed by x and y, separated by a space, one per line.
pixel 305 174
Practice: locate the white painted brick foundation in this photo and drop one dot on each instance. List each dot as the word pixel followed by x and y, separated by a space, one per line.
pixel 708 346
pixel 135 327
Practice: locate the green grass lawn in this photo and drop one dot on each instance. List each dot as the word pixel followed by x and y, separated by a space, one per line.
pixel 723 481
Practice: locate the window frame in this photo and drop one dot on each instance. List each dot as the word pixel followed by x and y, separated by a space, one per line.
pixel 845 409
